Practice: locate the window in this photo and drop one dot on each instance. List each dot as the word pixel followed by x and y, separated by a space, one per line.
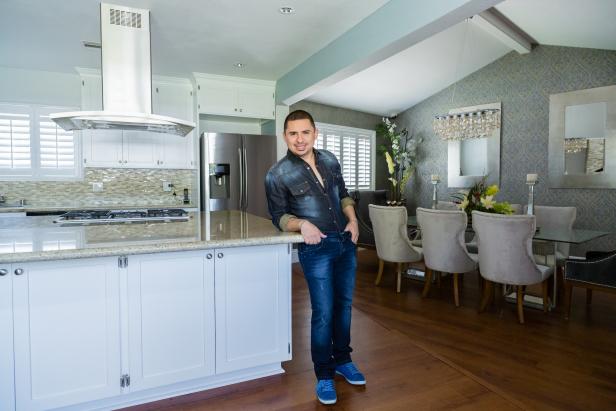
pixel 33 147
pixel 354 148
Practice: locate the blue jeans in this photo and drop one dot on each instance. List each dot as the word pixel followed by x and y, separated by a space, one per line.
pixel 329 269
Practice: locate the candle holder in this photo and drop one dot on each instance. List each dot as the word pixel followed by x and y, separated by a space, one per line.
pixel 435 194
pixel 530 209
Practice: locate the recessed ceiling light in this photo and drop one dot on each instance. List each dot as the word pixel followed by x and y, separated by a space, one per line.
pixel 239 65
pixel 286 10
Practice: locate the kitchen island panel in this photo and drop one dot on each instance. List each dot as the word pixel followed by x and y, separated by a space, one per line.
pixel 66 319
pixel 171 318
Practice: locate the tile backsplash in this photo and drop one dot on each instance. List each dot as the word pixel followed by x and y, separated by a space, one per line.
pixel 121 187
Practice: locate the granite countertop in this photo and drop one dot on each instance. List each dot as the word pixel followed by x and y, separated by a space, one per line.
pixel 51 209
pixel 38 238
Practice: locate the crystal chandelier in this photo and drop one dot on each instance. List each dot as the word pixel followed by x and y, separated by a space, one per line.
pixel 462 126
pixel 469 124
pixel 575 145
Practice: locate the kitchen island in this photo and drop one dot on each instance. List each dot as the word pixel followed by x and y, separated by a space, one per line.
pixel 106 316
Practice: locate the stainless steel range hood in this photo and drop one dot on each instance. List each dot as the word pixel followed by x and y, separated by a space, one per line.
pixel 127 79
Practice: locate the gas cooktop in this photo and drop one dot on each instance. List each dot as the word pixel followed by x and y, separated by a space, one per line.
pixel 86 217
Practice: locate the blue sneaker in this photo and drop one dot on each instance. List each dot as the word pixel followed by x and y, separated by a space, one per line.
pixel 326 392
pixel 350 373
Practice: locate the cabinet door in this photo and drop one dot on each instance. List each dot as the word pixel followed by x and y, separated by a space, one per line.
pixel 217 97
pixel 91 93
pixel 252 306
pixel 171 318
pixel 7 387
pixel 66 332
pixel 102 148
pixel 140 149
pixel 256 101
pixel 175 100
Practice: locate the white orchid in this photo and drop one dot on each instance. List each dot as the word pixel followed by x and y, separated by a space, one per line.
pixel 463 204
pixel 488 202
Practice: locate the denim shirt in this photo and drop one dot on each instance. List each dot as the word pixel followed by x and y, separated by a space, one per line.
pixel 294 191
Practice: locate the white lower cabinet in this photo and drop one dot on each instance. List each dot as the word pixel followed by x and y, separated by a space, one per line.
pixel 7 385
pixel 252 306
pixel 66 321
pixel 102 333
pixel 170 318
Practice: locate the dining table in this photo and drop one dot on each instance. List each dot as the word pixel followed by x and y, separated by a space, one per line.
pixel 573 236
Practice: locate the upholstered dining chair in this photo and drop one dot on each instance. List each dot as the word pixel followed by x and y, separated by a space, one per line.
pixel 362 200
pixel 597 272
pixel 506 255
pixel 553 218
pixel 442 234
pixel 392 242
pixel 471 246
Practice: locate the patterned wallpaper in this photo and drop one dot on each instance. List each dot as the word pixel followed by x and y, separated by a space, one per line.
pixel 121 187
pixel 523 83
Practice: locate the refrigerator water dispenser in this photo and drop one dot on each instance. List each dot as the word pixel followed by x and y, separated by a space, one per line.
pixel 219 181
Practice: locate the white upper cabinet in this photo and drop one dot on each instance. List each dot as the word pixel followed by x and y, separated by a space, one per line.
pixel 138 149
pixel 234 96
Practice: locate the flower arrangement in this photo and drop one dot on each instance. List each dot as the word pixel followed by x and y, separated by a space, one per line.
pixel 400 153
pixel 480 197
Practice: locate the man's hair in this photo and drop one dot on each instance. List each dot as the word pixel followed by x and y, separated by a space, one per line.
pixel 298 115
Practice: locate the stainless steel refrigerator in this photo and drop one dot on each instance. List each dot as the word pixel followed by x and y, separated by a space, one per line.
pixel 233 169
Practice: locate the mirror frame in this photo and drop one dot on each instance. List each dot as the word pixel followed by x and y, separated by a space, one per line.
pixel 556 143
pixel 454 179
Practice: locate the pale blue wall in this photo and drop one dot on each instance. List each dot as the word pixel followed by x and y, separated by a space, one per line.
pixel 39 87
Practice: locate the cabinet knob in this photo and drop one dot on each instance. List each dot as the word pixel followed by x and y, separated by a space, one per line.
pixel 220 255
pixel 209 256
pixel 19 271
pixel 120 161
pixel 235 109
pixel 241 110
pixel 3 272
pixel 125 161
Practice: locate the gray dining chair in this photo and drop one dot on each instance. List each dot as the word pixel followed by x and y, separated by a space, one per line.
pixel 471 246
pixel 389 225
pixel 506 256
pixel 444 249
pixel 553 218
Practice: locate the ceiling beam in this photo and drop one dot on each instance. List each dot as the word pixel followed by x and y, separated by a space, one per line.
pixel 396 26
pixel 498 25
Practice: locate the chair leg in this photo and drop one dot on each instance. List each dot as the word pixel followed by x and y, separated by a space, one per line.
pixel 588 296
pixel 487 295
pixel 520 301
pixel 544 289
pixel 380 274
pixel 479 281
pixel 399 281
pixel 456 287
pixel 568 293
pixel 438 279
pixel 428 281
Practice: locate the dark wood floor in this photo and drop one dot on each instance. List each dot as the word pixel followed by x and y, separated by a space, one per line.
pixel 427 354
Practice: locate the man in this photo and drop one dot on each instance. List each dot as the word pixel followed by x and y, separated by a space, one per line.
pixel 306 193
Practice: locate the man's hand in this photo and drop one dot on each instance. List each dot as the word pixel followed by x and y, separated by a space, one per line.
pixel 353 228
pixel 310 232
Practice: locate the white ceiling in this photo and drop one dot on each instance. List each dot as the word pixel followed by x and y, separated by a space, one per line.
pixel 415 74
pixel 189 35
pixel 571 23
pixel 419 72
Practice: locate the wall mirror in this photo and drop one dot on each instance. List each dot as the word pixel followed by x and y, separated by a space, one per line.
pixel 582 140
pixel 469 160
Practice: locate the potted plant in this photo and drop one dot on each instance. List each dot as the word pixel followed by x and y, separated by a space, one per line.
pixel 400 152
pixel 480 197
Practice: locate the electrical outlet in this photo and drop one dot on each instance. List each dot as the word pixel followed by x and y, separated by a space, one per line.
pixel 97 186
pixel 167 186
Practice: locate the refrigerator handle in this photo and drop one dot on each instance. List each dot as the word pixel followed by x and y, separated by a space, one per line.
pixel 242 188
pixel 245 179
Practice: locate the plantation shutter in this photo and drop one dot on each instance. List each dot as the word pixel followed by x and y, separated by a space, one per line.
pixel 57 146
pixel 354 149
pixel 15 140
